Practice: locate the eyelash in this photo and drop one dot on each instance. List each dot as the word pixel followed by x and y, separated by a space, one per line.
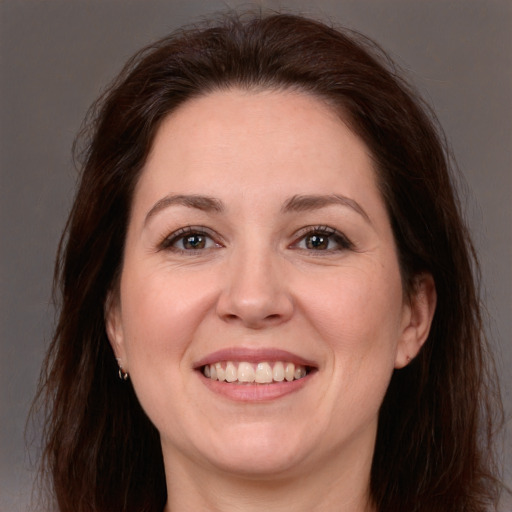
pixel 330 234
pixel 180 234
pixel 323 231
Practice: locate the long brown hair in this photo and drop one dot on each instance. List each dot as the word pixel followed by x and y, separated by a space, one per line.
pixel 434 447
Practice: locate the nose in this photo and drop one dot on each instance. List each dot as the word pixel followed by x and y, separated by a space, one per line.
pixel 255 293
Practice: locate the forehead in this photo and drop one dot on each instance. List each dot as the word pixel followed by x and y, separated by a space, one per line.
pixel 257 136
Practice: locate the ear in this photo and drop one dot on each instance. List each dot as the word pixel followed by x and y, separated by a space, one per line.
pixel 417 319
pixel 114 327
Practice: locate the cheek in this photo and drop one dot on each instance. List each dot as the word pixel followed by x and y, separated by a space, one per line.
pixel 358 315
pixel 359 307
pixel 160 318
pixel 160 315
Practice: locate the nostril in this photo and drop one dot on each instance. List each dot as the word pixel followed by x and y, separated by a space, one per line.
pixel 253 306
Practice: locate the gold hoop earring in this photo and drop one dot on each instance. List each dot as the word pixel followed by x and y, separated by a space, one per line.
pixel 123 375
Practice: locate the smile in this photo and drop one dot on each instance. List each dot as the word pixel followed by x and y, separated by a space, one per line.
pixel 260 373
pixel 255 375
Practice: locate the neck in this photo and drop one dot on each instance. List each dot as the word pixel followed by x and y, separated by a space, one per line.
pixel 329 489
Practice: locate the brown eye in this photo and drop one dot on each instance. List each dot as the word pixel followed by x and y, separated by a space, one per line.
pixel 322 238
pixel 317 241
pixel 195 241
pixel 190 239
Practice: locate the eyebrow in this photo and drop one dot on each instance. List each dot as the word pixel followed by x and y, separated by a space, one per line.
pixel 203 203
pixel 297 203
pixel 301 203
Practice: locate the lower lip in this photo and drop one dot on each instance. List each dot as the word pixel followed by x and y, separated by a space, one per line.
pixel 255 392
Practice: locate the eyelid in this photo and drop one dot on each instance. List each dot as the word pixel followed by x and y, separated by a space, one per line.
pixel 166 244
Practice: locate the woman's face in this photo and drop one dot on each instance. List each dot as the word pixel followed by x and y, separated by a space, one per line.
pixel 258 240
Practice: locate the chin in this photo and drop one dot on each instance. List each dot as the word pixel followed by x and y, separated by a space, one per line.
pixel 260 450
pixel 264 465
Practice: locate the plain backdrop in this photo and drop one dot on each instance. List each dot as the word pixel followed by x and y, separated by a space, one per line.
pixel 57 56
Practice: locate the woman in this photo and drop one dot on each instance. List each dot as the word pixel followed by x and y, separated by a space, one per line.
pixel 267 289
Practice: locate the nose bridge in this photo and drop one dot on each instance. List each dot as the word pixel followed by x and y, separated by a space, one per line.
pixel 255 292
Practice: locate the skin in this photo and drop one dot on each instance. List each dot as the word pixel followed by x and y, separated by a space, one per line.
pixel 258 282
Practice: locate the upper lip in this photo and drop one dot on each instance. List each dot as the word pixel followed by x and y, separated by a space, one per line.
pixel 251 355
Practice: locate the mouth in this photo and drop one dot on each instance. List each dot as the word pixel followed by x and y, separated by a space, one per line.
pixel 265 372
pixel 254 374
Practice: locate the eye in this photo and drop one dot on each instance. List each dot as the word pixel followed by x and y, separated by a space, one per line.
pixel 190 239
pixel 322 238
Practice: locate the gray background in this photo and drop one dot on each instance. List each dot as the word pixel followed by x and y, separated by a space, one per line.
pixel 56 56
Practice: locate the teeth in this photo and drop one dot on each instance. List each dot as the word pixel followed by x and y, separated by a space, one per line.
pixel 289 373
pixel 221 373
pixel 261 373
pixel 300 372
pixel 278 372
pixel 245 372
pixel 231 372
